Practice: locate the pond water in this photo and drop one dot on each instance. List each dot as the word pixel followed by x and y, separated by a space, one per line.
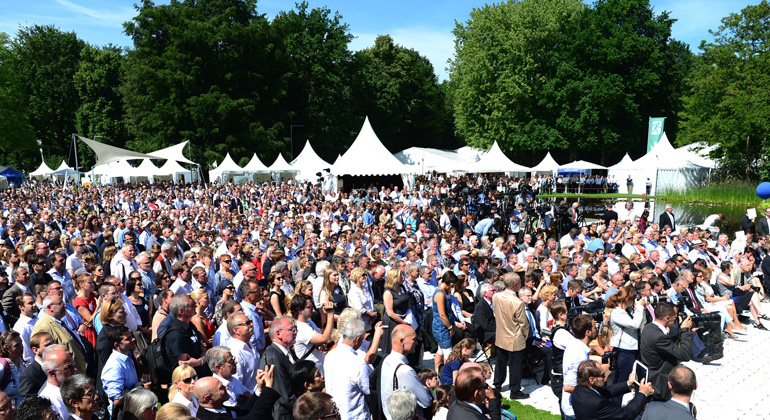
pixel 686 214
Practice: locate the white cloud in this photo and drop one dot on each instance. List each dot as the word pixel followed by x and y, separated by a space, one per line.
pixel 112 17
pixel 436 45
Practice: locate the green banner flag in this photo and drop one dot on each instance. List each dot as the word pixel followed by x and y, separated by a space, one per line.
pixel 654 132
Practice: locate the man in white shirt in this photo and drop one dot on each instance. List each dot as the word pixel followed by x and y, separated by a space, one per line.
pixel 222 335
pixel 576 352
pixel 122 268
pixel 223 365
pixel 58 365
pixel 26 322
pixel 347 374
pixel 309 336
pixel 241 330
pixel 403 343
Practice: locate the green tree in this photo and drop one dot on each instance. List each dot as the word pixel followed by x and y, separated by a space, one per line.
pixel 100 115
pixel 17 138
pixel 557 75
pixel 399 91
pixel 314 50
pixel 45 62
pixel 728 102
pixel 203 71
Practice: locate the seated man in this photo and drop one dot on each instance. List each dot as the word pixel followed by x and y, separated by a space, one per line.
pixel 595 401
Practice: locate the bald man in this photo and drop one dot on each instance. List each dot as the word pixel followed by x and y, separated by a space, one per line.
pixel 211 394
pixel 403 342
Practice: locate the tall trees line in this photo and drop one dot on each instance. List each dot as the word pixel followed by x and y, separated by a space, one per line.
pixel 535 75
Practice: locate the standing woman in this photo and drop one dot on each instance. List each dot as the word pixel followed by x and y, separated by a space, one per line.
pixel 164 298
pixel 306 289
pixel 397 304
pixel 332 292
pixel 200 320
pixel 181 390
pixel 86 303
pixel 443 318
pixel 225 271
pixel 11 351
pixel 277 295
pixel 226 291
pixel 625 330
pixel 135 292
pixel 360 299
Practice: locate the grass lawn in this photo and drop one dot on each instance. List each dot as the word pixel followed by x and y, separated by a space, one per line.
pixel 612 195
pixel 527 412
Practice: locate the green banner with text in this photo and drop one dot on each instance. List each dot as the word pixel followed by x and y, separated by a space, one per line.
pixel 654 132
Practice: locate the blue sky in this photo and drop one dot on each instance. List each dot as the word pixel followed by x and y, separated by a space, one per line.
pixel 425 25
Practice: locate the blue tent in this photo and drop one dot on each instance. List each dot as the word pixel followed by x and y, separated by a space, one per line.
pixel 14 177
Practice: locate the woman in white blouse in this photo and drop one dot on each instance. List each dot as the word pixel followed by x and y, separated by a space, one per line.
pixel 625 328
pixel 359 297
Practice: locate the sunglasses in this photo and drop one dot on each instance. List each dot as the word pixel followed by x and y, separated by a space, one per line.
pixel 190 379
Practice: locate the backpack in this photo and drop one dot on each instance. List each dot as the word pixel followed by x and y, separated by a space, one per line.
pixel 156 355
pixel 375 396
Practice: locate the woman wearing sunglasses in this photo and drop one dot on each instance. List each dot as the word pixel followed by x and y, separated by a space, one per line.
pixel 181 391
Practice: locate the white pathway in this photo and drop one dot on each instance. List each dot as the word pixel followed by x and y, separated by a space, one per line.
pixel 734 387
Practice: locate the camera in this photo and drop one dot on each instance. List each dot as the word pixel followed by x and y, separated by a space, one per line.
pixel 703 320
pixel 652 300
pixel 610 357
pixel 594 309
pixel 681 303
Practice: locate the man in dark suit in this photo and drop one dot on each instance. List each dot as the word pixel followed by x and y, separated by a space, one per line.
pixel 763 224
pixel 596 400
pixel 747 224
pixel 484 316
pixel 33 377
pixel 211 394
pixel 283 333
pixel 21 279
pixel 472 394
pixel 661 349
pixel 667 218
pixel 682 383
pixel 609 214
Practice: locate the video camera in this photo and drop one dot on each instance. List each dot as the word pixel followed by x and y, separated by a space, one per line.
pixel 698 319
pixel 594 309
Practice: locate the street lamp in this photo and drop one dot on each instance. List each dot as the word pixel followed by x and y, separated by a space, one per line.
pixel 40 146
pixel 291 134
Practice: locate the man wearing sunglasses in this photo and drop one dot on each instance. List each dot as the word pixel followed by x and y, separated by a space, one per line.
pixel 241 329
pixel 58 366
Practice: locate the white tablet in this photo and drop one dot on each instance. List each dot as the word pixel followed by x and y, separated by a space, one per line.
pixel 641 372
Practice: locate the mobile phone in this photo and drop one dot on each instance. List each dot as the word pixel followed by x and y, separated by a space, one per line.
pixel 641 371
pixel 385 327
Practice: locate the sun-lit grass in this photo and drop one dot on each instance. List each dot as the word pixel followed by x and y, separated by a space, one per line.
pixel 728 193
pixel 527 412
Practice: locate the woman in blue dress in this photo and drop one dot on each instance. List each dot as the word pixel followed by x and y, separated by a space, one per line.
pixel 443 318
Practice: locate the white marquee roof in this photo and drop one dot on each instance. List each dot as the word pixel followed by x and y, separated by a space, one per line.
pixel 368 156
pixel 106 153
pixel 226 166
pixel 496 161
pixel 42 170
pixel 146 168
pixel 423 160
pixel 62 166
pixel 172 167
pixel 548 164
pixel 255 165
pixel 280 165
pixel 664 156
pixel 308 163
pixel 175 152
pixel 581 165
pixel 625 164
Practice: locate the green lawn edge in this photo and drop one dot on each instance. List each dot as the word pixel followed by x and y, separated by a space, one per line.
pixel 527 412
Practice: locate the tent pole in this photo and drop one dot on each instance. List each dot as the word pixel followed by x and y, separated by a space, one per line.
pixel 75 145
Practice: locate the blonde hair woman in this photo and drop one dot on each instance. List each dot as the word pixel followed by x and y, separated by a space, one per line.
pixel 397 304
pixel 172 411
pixel 181 391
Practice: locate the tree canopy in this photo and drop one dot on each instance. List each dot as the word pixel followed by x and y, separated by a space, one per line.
pixel 728 104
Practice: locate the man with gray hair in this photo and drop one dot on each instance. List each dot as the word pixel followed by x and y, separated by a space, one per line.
pixel 241 329
pixel 402 405
pixel 144 262
pixel 167 257
pixel 283 333
pixel 347 374
pixel 223 365
pixel 667 218
pixel 124 266
pixel 58 366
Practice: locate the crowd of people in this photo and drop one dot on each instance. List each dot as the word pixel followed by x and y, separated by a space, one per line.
pixel 283 301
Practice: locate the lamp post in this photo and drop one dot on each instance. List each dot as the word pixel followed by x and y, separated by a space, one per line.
pixel 291 134
pixel 40 146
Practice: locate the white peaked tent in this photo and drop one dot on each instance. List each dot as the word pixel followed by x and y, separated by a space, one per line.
pixel 224 170
pixel 495 161
pixel 368 156
pixel 175 152
pixel 108 173
pixel 423 160
pixel 668 169
pixel 62 166
pixel 308 163
pixel 699 153
pixel 625 164
pixel 146 171
pixel 281 169
pixel 42 171
pixel 173 171
pixel 548 164
pixel 255 165
pixel 470 154
pixel 580 165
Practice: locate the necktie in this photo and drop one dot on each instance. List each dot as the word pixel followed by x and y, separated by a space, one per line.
pixel 532 326
pixel 652 311
pixel 75 336
pixel 692 297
